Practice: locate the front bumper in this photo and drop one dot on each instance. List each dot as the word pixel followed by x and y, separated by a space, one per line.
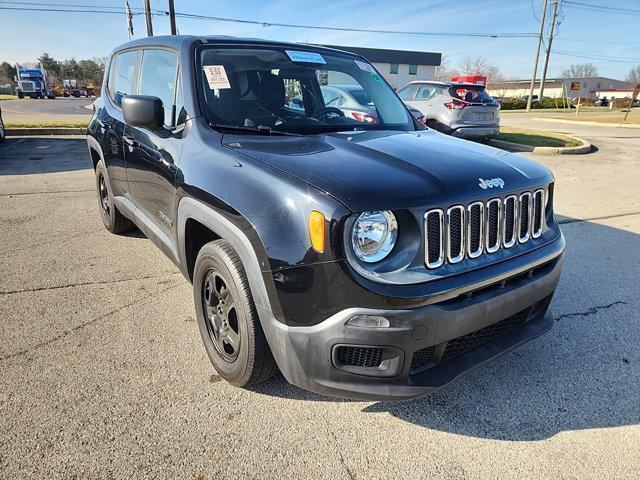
pixel 307 355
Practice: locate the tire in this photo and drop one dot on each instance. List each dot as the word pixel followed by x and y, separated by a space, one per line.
pixel 113 220
pixel 227 317
pixel 20 95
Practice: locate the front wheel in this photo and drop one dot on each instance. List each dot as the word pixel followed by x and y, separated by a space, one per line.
pixel 227 317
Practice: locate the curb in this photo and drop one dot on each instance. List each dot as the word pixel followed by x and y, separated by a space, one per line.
pixel 517 147
pixel 27 132
pixel 594 124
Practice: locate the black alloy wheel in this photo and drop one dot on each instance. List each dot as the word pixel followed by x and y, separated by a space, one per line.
pixel 104 196
pixel 221 315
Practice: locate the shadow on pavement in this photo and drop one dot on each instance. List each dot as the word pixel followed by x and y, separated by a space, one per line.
pixel 584 374
pixel 33 155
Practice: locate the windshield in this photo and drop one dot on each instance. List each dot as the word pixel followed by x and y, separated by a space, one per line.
pixel 362 97
pixel 470 93
pixel 280 89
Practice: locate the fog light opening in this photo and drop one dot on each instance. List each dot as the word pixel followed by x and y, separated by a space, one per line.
pixel 369 321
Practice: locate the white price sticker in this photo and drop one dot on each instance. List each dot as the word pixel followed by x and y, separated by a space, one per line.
pixel 365 66
pixel 216 77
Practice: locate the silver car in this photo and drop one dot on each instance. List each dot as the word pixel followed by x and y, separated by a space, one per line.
pixel 352 100
pixel 459 109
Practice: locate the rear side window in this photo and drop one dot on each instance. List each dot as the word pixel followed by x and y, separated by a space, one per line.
pixel 427 92
pixel 158 75
pixel 125 76
pixel 407 92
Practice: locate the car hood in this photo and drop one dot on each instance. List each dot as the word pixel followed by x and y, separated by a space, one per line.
pixel 375 170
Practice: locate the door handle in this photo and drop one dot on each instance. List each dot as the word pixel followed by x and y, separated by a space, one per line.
pixel 130 141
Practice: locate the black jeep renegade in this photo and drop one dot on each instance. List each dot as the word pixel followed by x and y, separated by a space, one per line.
pixel 361 254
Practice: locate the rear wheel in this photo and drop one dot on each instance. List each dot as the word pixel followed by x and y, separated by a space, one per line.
pixel 227 317
pixel 113 220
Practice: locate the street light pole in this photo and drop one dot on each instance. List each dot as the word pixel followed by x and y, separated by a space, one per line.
pixel 546 59
pixel 147 15
pixel 535 65
pixel 172 17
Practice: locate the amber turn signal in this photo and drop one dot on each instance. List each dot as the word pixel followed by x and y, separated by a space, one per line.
pixel 316 231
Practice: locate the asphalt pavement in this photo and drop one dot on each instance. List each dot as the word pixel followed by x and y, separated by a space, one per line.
pixel 104 374
pixel 45 110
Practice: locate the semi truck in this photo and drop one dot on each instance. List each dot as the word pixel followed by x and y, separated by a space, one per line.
pixel 34 83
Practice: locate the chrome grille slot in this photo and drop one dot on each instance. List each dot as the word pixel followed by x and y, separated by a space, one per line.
pixel 538 213
pixel 455 234
pixel 493 225
pixel 509 220
pixel 467 231
pixel 434 238
pixel 524 218
pixel 475 229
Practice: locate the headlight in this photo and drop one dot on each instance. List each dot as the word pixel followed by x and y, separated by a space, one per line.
pixel 374 235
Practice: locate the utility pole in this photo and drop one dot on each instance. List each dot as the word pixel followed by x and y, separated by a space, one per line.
pixel 535 65
pixel 172 17
pixel 147 15
pixel 546 59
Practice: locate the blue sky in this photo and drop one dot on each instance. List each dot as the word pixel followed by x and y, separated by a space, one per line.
pixel 25 35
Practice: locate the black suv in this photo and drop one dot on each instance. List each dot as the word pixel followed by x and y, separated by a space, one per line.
pixel 369 259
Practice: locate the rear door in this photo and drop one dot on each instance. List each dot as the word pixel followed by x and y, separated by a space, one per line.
pixel 424 99
pixel 151 157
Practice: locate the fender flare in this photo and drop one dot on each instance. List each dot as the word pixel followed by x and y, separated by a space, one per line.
pixel 190 208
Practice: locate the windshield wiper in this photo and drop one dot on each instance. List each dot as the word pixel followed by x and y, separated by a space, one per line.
pixel 260 129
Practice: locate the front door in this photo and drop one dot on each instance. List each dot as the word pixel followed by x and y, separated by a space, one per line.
pixel 151 157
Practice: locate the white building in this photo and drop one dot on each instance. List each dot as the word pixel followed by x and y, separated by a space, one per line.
pixel 398 67
pixel 586 87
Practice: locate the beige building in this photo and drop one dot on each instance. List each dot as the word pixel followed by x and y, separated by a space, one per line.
pixel 398 67
pixel 587 87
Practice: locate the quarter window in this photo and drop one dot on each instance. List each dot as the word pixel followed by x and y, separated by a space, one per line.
pixel 125 76
pixel 413 69
pixel 393 69
pixel 426 92
pixel 158 78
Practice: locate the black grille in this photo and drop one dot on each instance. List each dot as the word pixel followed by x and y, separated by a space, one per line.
pixel 359 356
pixel 537 212
pixel 422 357
pixel 434 237
pixel 455 232
pixel 509 220
pixel 524 216
pixel 466 343
pixel 493 218
pixel 475 227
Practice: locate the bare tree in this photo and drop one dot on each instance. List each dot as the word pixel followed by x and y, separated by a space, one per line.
pixel 580 70
pixel 443 73
pixel 480 66
pixel 634 75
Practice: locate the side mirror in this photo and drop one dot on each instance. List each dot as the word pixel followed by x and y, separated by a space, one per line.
pixel 143 111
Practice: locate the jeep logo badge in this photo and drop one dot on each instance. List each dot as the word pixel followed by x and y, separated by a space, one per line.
pixel 494 182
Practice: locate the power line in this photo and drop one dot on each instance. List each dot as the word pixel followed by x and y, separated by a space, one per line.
pixel 600 58
pixel 105 10
pixel 600 8
pixel 84 10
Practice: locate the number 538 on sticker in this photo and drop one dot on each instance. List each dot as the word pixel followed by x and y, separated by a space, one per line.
pixel 216 77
